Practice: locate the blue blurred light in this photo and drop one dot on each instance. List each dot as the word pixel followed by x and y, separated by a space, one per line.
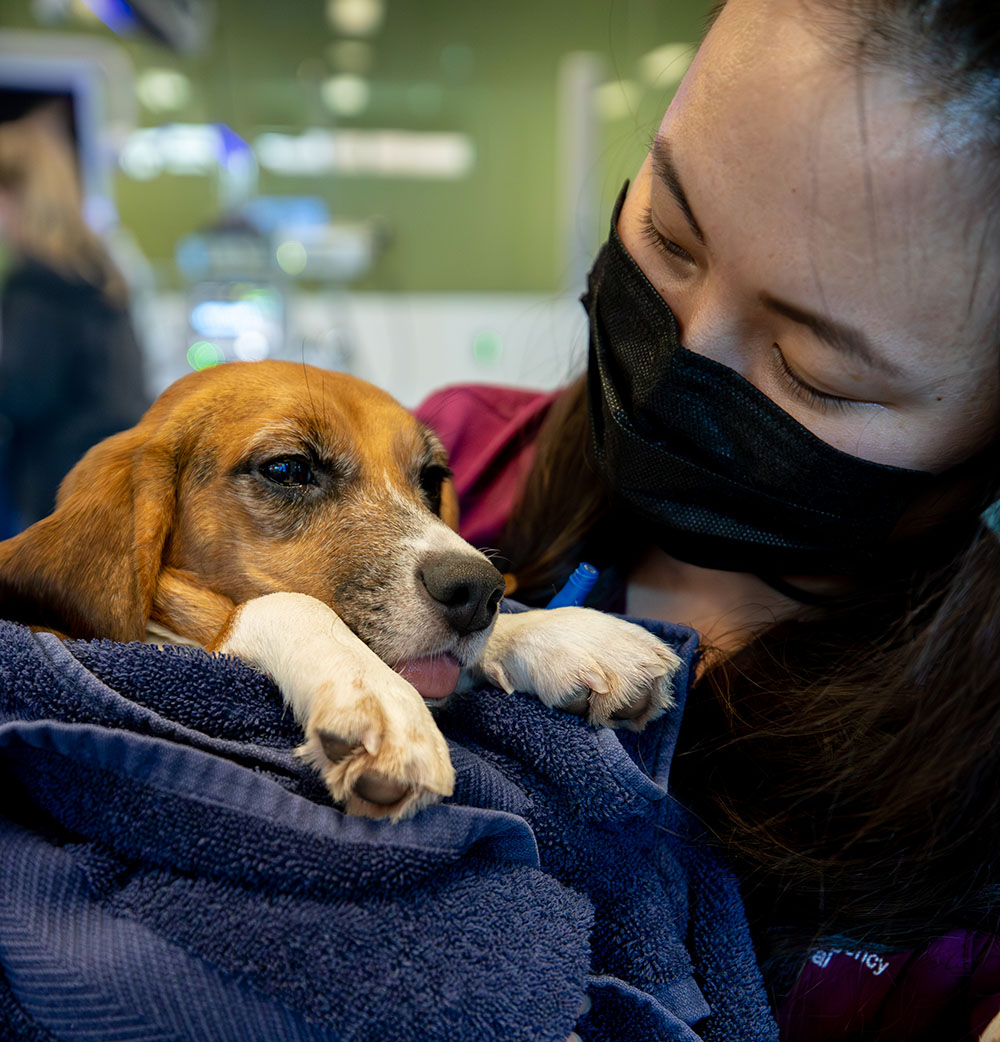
pixel 267 213
pixel 117 15
pixel 224 318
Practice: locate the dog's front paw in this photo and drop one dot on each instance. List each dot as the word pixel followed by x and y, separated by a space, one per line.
pixel 367 729
pixel 615 673
pixel 377 748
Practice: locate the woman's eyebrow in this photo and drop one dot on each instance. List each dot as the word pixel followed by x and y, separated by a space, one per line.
pixel 665 169
pixel 843 338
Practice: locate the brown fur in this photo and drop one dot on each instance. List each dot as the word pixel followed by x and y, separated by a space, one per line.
pixel 168 522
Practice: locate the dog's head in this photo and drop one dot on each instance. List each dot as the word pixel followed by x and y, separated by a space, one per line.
pixel 254 478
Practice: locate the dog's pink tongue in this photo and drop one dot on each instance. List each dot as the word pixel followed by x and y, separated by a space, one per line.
pixel 434 677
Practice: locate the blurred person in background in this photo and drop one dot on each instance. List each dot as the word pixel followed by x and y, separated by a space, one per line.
pixel 71 371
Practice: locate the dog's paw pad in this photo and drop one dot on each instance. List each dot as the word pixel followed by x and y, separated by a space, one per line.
pixel 382 791
pixel 577 703
pixel 635 710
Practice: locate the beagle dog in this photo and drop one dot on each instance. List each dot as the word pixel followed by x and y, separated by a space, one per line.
pixel 303 521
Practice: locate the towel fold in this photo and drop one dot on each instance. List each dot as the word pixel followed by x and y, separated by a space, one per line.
pixel 172 871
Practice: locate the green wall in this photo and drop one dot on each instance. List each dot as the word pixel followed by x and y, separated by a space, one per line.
pixel 492 231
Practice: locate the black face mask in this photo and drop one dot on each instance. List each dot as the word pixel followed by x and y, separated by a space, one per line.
pixel 721 475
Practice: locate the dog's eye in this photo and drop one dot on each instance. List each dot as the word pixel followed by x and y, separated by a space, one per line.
pixel 288 471
pixel 431 480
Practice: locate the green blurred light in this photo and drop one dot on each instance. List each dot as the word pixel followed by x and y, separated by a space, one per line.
pixel 291 257
pixel 487 347
pixel 203 353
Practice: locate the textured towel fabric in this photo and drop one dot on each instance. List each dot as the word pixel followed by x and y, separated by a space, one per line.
pixel 171 871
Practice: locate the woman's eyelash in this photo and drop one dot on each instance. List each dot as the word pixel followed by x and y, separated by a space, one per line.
pixel 805 392
pixel 653 237
pixel 812 396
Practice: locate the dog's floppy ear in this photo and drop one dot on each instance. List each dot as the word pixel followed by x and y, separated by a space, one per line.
pixel 89 569
pixel 449 504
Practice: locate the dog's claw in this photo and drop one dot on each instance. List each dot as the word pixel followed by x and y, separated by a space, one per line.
pixel 500 678
pixel 335 749
pixel 597 681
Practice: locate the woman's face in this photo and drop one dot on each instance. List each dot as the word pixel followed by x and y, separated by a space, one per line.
pixel 817 231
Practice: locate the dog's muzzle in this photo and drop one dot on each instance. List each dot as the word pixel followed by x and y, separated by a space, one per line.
pixel 466 588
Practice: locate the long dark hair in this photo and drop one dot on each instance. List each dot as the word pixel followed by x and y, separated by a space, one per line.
pixel 848 760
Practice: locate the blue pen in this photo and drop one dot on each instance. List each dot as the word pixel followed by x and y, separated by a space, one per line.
pixel 580 583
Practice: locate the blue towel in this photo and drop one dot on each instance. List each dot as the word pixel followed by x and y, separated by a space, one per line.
pixel 171 871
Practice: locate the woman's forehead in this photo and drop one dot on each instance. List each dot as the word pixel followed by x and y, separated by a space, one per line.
pixel 827 184
pixel 782 116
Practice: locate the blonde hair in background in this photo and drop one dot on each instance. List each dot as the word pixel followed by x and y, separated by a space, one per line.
pixel 38 172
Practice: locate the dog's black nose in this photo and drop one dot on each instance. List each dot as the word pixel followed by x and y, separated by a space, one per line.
pixel 467 588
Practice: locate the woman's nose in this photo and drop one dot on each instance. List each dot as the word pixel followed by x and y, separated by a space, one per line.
pixel 711 324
